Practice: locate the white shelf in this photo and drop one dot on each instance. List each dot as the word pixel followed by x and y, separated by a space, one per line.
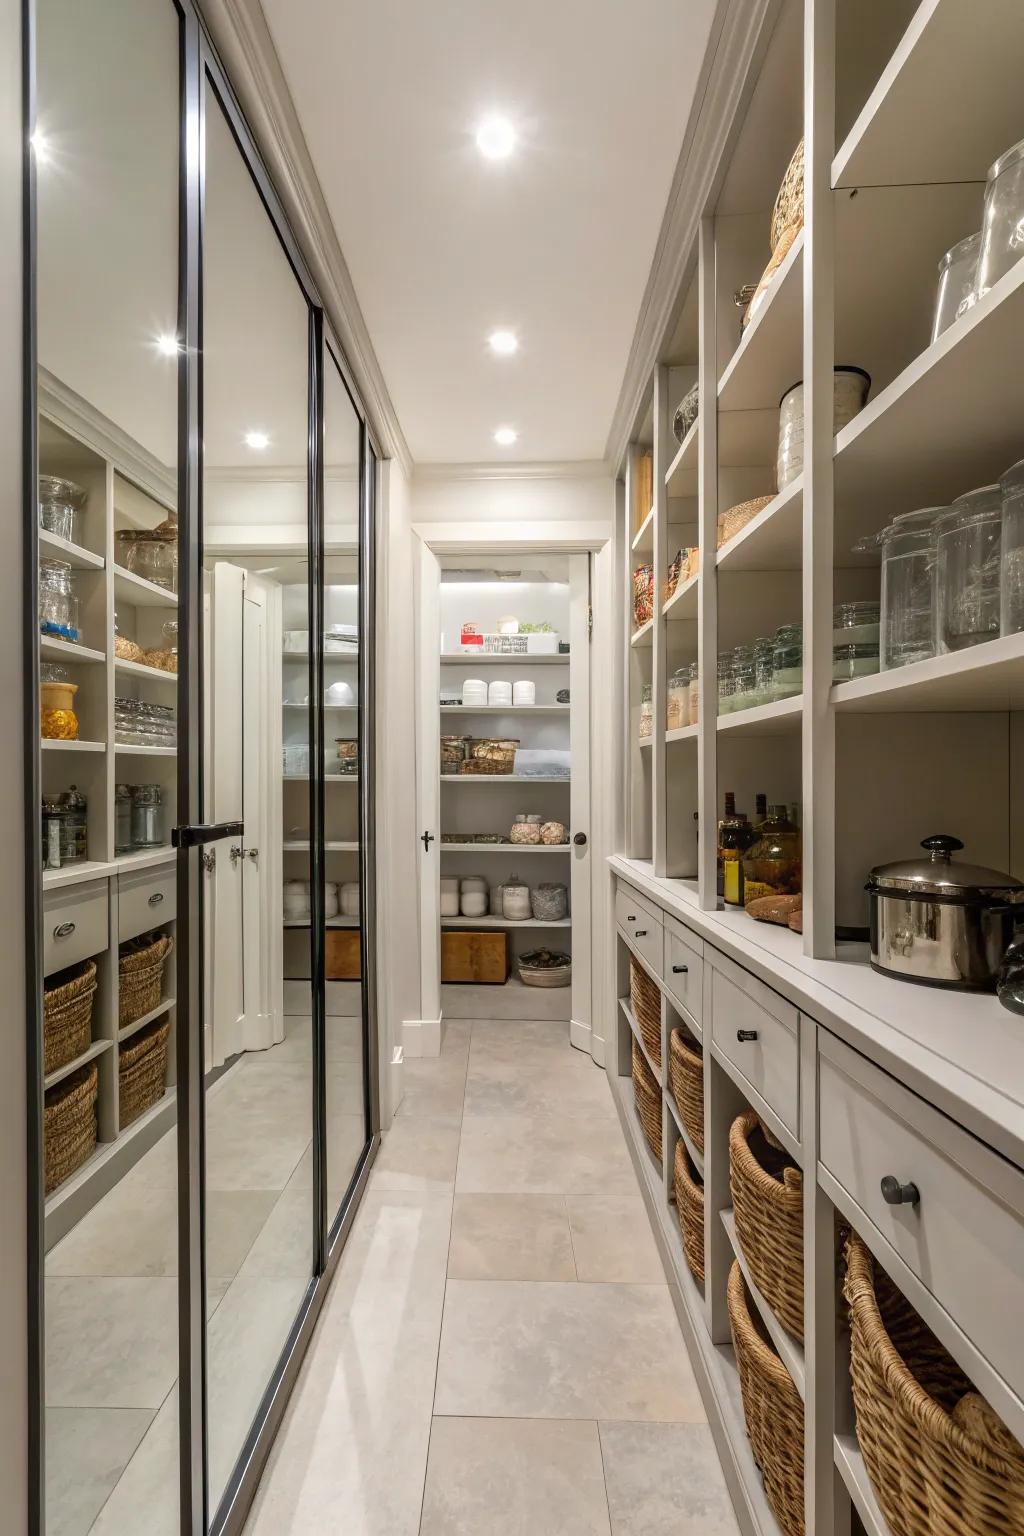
pixel 503 778
pixel 298 846
pixel 49 745
pixel 52 547
pixel 849 1462
pixel 96 1048
pixel 782 717
pixel 638 1037
pixel 139 669
pixel 328 655
pixel 337 708
pixel 683 733
pixel 64 650
pixel 771 541
pixel 643 638
pixel 145 858
pixel 984 677
pixel 684 1135
pixel 122 749
pixel 513 850
pixel 164 1006
pixel 140 593
pixel 681 475
pixel 643 539
pixel 769 358
pixel 947 103
pixel 503 922
pixel 74 874
pixel 504 709
pixel 488 659
pixel 644 742
pixel 789 1350
pixel 682 605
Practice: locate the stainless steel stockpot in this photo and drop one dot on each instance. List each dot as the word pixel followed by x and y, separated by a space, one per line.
pixel 943 923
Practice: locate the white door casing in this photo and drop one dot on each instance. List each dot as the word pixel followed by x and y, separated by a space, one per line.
pixel 580 1030
pixel 261 866
pixel 428 800
pixel 224 802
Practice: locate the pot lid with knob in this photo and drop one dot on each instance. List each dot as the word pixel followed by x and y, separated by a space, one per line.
pixel 939 876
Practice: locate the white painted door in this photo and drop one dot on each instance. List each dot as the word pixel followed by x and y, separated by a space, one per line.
pixel 581 1034
pixel 225 802
pixel 428 786
pixel 260 686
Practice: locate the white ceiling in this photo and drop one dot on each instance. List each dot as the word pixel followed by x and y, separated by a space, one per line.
pixel 444 246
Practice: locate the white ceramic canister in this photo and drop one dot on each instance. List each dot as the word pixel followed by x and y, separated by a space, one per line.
pixel 349 894
pixel 473 883
pixel 474 903
pixel 515 901
pixel 524 695
pixel 449 896
pixel 474 691
pixel 330 899
pixel 296 899
pixel 500 694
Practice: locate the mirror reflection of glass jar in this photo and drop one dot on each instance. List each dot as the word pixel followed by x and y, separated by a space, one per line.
pixel 60 502
pixel 151 553
pixel 58 604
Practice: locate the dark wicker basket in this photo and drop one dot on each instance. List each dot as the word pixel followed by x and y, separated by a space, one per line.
pixel 141 976
pixel 768 1204
pixel 647 1096
pixel 772 1408
pixel 67 1015
pixel 142 1070
pixel 686 1079
pixel 69 1125
pixel 645 1001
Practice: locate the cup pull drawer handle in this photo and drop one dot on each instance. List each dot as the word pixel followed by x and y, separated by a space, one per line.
pixel 64 930
pixel 742 1035
pixel 895 1193
pixel 640 933
pixel 156 898
pixel 630 917
pixel 680 970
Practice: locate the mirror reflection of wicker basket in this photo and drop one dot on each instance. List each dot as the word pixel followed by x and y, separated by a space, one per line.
pixel 545 968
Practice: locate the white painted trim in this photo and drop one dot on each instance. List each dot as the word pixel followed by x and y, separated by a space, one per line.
pixel 421 1037
pixel 513 538
pixel 70 411
pixel 554 469
pixel 581 807
pixel 581 1036
pixel 278 539
pixel 427 661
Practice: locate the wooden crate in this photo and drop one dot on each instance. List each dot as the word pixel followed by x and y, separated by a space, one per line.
pixel 476 957
pixel 342 956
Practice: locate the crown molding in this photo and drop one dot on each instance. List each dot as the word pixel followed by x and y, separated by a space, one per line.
pixel 555 469
pixel 61 404
pixel 241 36
pixel 737 32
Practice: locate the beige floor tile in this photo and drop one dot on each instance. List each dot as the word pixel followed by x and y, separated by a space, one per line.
pixel 539 1350
pixel 87 1449
pixel 543 1155
pixel 110 1343
pixel 416 1154
pixel 510 1477
pixel 612 1239
pixel 665 1480
pixel 534 1079
pixel 510 1237
pixel 146 1497
pixel 433 1087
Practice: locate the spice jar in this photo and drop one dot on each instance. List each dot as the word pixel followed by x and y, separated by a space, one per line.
pixel 57 718
pixel 1002 225
pixel 771 865
pixel 58 605
pixel 74 832
pixel 147 816
pixel 958 279
pixel 151 553
pixel 515 900
pixel 967 548
pixel 60 502
pixel 1011 590
pixel 788 662
pixel 677 711
pixel 646 710
pixel 122 818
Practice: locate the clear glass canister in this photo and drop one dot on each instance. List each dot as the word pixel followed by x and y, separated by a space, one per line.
pixel 849 393
pixel 122 818
pixel 646 710
pixel 1002 225
pixel 744 694
pixel 856 623
pixel 764 660
pixel 58 605
pixel 958 281
pixel 151 553
pixel 788 661
pixel 1011 575
pixel 694 694
pixel 74 832
pixel 967 546
pixel 908 587
pixel 726 682
pixel 677 711
pixel 147 816
pixel 853 660
pixel 771 866
pixel 60 502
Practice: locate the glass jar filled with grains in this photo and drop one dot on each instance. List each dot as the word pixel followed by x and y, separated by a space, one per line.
pixel 677 713
pixel 771 865
pixel 744 693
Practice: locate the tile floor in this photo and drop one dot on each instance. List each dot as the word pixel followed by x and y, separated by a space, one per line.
pixel 498 1355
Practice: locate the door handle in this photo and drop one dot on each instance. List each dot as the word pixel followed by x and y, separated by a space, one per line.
pixel 236 854
pixel 156 898
pixel 680 970
pixel 64 930
pixel 426 838
pixel 205 832
pixel 580 839
pixel 252 853
pixel 743 1035
pixel 895 1193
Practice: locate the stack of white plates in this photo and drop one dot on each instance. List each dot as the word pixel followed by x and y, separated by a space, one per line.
pixel 474 693
pixel 500 694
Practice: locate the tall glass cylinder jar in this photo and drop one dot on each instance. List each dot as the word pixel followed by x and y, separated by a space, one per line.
pixel 908 588
pixel 1011 592
pixel 726 682
pixel 967 546
pixel 646 710
pixel 1002 229
pixel 148 816
pixel 122 818
pixel 958 277
pixel 744 687
pixel 788 662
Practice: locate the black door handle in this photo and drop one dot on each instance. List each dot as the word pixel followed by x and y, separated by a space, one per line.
pixel 205 832
pixel 580 839
pixel 680 970
pixel 895 1193
pixel 743 1035
pixel 640 933
pixel 426 839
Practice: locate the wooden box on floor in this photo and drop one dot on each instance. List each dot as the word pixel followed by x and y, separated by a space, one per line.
pixel 343 961
pixel 476 957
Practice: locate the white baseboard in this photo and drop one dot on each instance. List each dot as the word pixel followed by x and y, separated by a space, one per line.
pixel 421 1037
pixel 580 1035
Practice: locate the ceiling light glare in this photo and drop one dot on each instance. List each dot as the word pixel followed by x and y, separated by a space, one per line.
pixel 495 138
pixel 167 345
pixel 40 147
pixel 257 440
pixel 505 436
pixel 503 343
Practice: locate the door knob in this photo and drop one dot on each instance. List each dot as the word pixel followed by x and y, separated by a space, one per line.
pixel 895 1193
pixel 580 839
pixel 236 854
pixel 426 838
pixel 743 1035
pixel 252 853
pixel 209 858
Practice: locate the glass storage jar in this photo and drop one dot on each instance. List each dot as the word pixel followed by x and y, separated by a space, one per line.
pixel 958 280
pixel 52 821
pixel 60 502
pixel 524 830
pixel 1011 573
pixel 57 718
pixel 788 661
pixel 58 605
pixel 694 694
pixel 1002 224
pixel 744 691
pixel 849 393
pixel 771 865
pixel 764 660
pixel 908 587
pixel 850 661
pixel 646 711
pixel 148 816
pixel 726 682
pixel 74 832
pixel 856 623
pixel 151 553
pixel 122 818
pixel 967 546
pixel 677 712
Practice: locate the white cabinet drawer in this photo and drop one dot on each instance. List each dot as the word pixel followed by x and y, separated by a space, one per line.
pixel 758 1031
pixel 964 1236
pixel 75 925
pixel 684 969
pixel 642 924
pixel 145 900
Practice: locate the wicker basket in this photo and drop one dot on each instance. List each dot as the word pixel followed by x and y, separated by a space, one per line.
pixel 768 1204
pixel 141 975
pixel 69 1125
pixel 647 1096
pixel 645 1000
pixel 142 1070
pixel 67 1015
pixel 772 1409
pixel 686 1079
pixel 689 1192
pixel 788 212
pixel 940 1461
pixel 490 755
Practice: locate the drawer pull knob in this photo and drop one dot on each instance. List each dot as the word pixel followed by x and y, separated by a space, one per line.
pixel 680 970
pixel 156 898
pixel 640 933
pixel 743 1035
pixel 630 917
pixel 895 1193
pixel 63 930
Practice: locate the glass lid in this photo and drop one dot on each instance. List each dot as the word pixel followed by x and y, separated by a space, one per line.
pixel 938 875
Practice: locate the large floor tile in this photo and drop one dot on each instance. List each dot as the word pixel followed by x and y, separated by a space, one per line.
pixel 433 1087
pixel 110 1343
pixel 612 1239
pixel 146 1497
pixel 514 1477
pixel 417 1154
pixel 537 1350
pixel 536 1079
pixel 665 1480
pixel 543 1155
pixel 510 1237
pixel 87 1449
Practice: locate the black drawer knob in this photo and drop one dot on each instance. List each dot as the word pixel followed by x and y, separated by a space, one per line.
pixel 640 933
pixel 580 839
pixel 895 1193
pixel 680 970
pixel 63 930
pixel 156 898
pixel 630 917
pixel 743 1035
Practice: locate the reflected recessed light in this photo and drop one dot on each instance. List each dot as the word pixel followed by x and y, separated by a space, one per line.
pixel 257 440
pixel 506 436
pixel 40 147
pixel 495 138
pixel 503 343
pixel 167 345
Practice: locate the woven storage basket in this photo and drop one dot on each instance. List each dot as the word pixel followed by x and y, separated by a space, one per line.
pixel 686 1079
pixel 645 1000
pixel 767 1202
pixel 647 1096
pixel 142 1070
pixel 141 973
pixel 69 1125
pixel 67 1015
pixel 789 205
pixel 689 1192
pixel 940 1462
pixel 490 755
pixel 772 1408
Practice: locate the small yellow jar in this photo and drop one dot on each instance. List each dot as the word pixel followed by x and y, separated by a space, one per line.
pixel 57 718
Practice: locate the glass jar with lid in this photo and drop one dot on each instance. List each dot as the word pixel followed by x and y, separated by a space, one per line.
pixel 726 682
pixel 968 539
pixel 677 709
pixel 148 816
pixel 74 832
pixel 744 690
pixel 1011 576
pixel 151 553
pixel 1002 225
pixel 58 604
pixel 764 663
pixel 855 640
pixel 907 621
pixel 122 818
pixel 958 281
pixel 646 710
pixel 60 502
pixel 771 865
pixel 694 693
pixel 57 718
pixel 788 661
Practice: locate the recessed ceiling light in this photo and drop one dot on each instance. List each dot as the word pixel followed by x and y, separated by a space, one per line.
pixel 167 345
pixel 40 147
pixel 496 138
pixel 506 436
pixel 503 343
pixel 257 440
